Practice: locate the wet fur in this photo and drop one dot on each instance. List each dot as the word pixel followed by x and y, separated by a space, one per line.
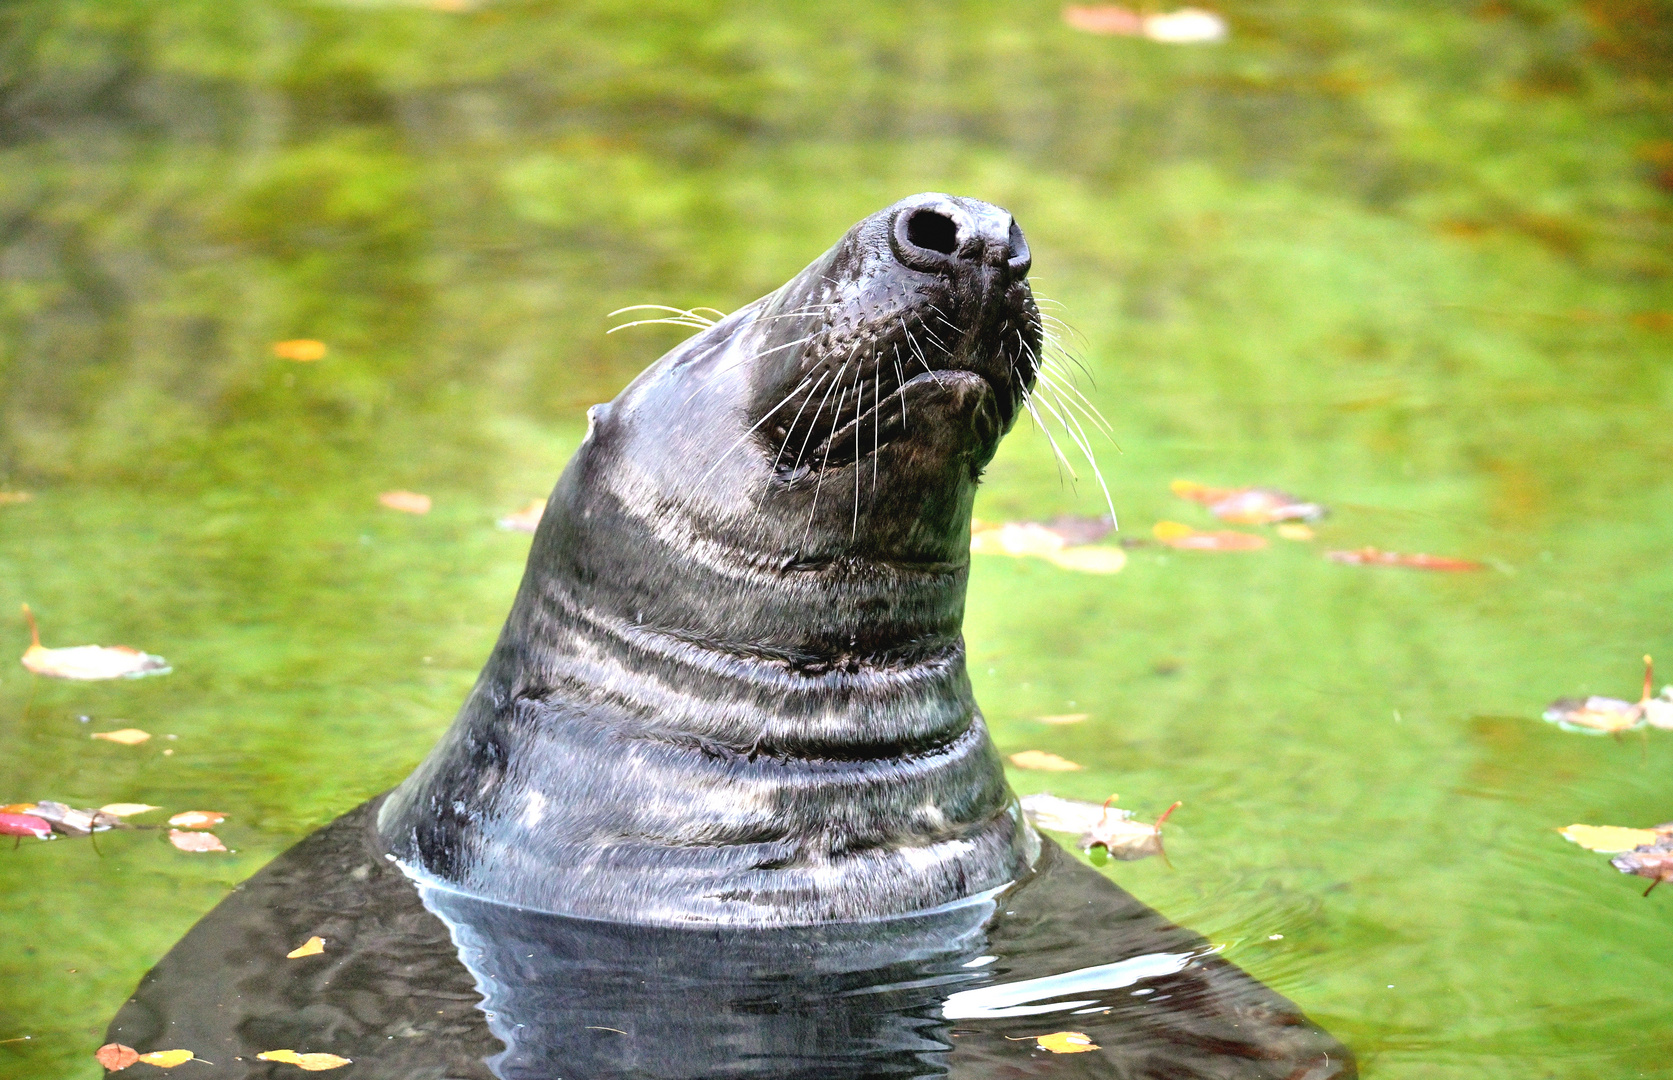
pixel 732 687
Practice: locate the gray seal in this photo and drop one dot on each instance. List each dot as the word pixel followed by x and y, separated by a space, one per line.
pixel 732 688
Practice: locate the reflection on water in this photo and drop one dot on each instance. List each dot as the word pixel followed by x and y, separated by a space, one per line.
pixel 961 991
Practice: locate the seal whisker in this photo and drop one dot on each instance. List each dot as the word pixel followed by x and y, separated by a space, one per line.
pixel 1072 428
pixel 1028 397
pixel 859 395
pixel 813 421
pixel 787 431
pixel 752 429
pixel 819 483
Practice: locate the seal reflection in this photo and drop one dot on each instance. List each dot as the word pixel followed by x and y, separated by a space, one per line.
pixel 422 981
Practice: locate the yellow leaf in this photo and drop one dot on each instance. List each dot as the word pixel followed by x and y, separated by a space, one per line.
pixel 306 1062
pixel 408 502
pixel 312 947
pixel 1090 560
pixel 1066 1042
pixel 167 1059
pixel 1171 530
pixel 1608 837
pixel 1063 718
pixel 1291 530
pixel 128 736
pixel 1039 759
pixel 301 350
pixel 126 809
pixel 14 497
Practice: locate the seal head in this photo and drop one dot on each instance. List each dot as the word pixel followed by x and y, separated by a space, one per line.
pixel 732 687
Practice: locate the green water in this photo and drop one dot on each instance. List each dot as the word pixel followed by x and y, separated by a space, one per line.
pixel 1411 260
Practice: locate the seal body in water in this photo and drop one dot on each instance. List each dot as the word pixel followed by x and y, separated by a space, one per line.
pixel 732 687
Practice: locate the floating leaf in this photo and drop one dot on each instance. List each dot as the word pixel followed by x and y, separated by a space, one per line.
pixel 1058 541
pixel 312 947
pixel 1098 826
pixel 1249 505
pixel 307 1062
pixel 127 809
pixel 18 808
pixel 1612 838
pixel 1063 718
pixel 1187 26
pixel 1066 1042
pixel 1605 715
pixel 1040 759
pixel 72 822
pixel 25 825
pixel 1370 556
pixel 197 819
pixel 8 498
pixel 166 1059
pixel 300 350
pixel 1291 530
pixel 408 502
pixel 195 841
pixel 1106 19
pixel 88 662
pixel 115 1057
pixel 1016 538
pixel 1090 560
pixel 128 736
pixel 1179 535
pixel 1654 861
pixel 525 520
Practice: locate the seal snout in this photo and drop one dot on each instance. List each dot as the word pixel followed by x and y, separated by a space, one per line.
pixel 936 234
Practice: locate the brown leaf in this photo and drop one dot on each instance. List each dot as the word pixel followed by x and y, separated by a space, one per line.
pixel 11 497
pixel 71 821
pixel 1606 715
pixel 408 502
pixel 1370 556
pixel 1179 535
pixel 300 350
pixel 195 841
pixel 306 1062
pixel 1249 505
pixel 1105 19
pixel 197 819
pixel 312 947
pixel 525 520
pixel 128 736
pixel 88 662
pixel 1654 861
pixel 1040 759
pixel 115 1057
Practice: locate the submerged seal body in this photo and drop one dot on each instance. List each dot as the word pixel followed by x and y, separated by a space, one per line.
pixel 732 687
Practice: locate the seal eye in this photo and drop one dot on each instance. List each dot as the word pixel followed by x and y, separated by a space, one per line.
pixel 932 231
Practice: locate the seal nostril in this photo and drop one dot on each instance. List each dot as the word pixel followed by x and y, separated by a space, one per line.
pixel 1016 252
pixel 933 231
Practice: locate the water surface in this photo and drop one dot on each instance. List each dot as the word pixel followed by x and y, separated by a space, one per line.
pixel 1410 260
